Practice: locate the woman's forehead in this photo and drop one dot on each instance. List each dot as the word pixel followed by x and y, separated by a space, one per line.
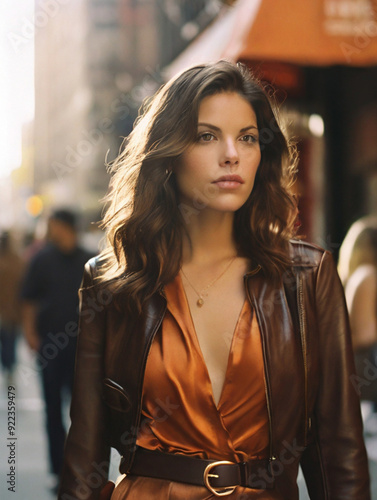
pixel 226 106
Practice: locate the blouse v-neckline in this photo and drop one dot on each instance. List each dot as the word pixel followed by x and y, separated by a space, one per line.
pixel 195 338
pixel 179 410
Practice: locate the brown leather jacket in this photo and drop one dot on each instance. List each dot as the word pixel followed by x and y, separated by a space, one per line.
pixel 313 406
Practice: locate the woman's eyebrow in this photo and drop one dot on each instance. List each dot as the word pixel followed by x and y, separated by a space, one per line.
pixel 245 129
pixel 217 129
pixel 208 125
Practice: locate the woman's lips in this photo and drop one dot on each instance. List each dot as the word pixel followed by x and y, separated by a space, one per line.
pixel 229 181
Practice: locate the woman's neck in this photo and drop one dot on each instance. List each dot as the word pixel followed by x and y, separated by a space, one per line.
pixel 210 238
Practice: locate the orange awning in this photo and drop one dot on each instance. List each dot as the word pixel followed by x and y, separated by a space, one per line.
pixel 304 32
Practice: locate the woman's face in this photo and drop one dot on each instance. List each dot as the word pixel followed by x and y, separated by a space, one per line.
pixel 218 171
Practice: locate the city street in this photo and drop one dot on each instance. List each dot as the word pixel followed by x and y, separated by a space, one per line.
pixel 189 136
pixel 32 479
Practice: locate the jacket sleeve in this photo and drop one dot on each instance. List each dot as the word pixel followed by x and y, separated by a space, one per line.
pixel 87 450
pixel 335 463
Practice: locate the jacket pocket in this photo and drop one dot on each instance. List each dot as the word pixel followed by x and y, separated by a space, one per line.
pixel 115 396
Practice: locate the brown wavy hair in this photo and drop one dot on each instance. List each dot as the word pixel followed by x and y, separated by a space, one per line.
pixel 143 219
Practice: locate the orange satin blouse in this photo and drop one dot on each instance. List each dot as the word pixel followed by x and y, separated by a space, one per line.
pixel 179 414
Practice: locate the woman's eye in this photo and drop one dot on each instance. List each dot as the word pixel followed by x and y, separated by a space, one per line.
pixel 207 137
pixel 249 138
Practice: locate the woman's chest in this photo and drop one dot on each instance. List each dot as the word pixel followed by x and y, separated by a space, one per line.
pixel 215 325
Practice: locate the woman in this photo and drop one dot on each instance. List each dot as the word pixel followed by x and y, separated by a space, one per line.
pixel 358 271
pixel 214 353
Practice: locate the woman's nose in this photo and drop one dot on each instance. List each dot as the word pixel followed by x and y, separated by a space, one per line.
pixel 230 154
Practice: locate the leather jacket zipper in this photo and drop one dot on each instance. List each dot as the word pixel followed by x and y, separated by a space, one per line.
pixel 302 322
pixel 272 456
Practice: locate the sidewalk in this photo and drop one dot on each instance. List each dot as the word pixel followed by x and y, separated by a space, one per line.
pixel 32 478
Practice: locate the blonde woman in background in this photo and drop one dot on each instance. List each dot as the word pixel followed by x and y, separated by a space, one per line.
pixel 358 271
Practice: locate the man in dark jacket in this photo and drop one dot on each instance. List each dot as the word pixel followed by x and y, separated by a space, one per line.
pixel 50 320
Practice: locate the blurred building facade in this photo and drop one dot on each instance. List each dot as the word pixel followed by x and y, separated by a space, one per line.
pixel 62 100
pixel 95 61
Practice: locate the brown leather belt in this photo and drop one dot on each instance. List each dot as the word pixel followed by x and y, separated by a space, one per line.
pixel 220 477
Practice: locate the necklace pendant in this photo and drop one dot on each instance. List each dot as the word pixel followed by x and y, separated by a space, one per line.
pixel 200 302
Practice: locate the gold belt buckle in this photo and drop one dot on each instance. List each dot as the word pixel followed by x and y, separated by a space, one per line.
pixel 219 492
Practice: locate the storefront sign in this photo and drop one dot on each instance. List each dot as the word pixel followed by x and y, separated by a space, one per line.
pixel 349 17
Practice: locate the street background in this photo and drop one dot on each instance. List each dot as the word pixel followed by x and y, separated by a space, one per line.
pixel 75 73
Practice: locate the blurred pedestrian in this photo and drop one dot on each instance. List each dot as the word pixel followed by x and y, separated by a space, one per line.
pixel 33 242
pixel 11 271
pixel 358 270
pixel 50 317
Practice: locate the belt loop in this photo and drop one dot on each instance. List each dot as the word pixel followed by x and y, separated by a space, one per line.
pixel 243 473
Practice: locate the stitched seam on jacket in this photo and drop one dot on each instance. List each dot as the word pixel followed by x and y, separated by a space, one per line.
pixel 318 445
pixel 324 482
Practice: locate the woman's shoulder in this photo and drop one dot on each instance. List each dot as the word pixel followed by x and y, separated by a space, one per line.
pixel 305 254
pixel 94 265
pixel 92 270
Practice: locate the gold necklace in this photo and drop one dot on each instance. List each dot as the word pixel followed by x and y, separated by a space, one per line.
pixel 201 294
